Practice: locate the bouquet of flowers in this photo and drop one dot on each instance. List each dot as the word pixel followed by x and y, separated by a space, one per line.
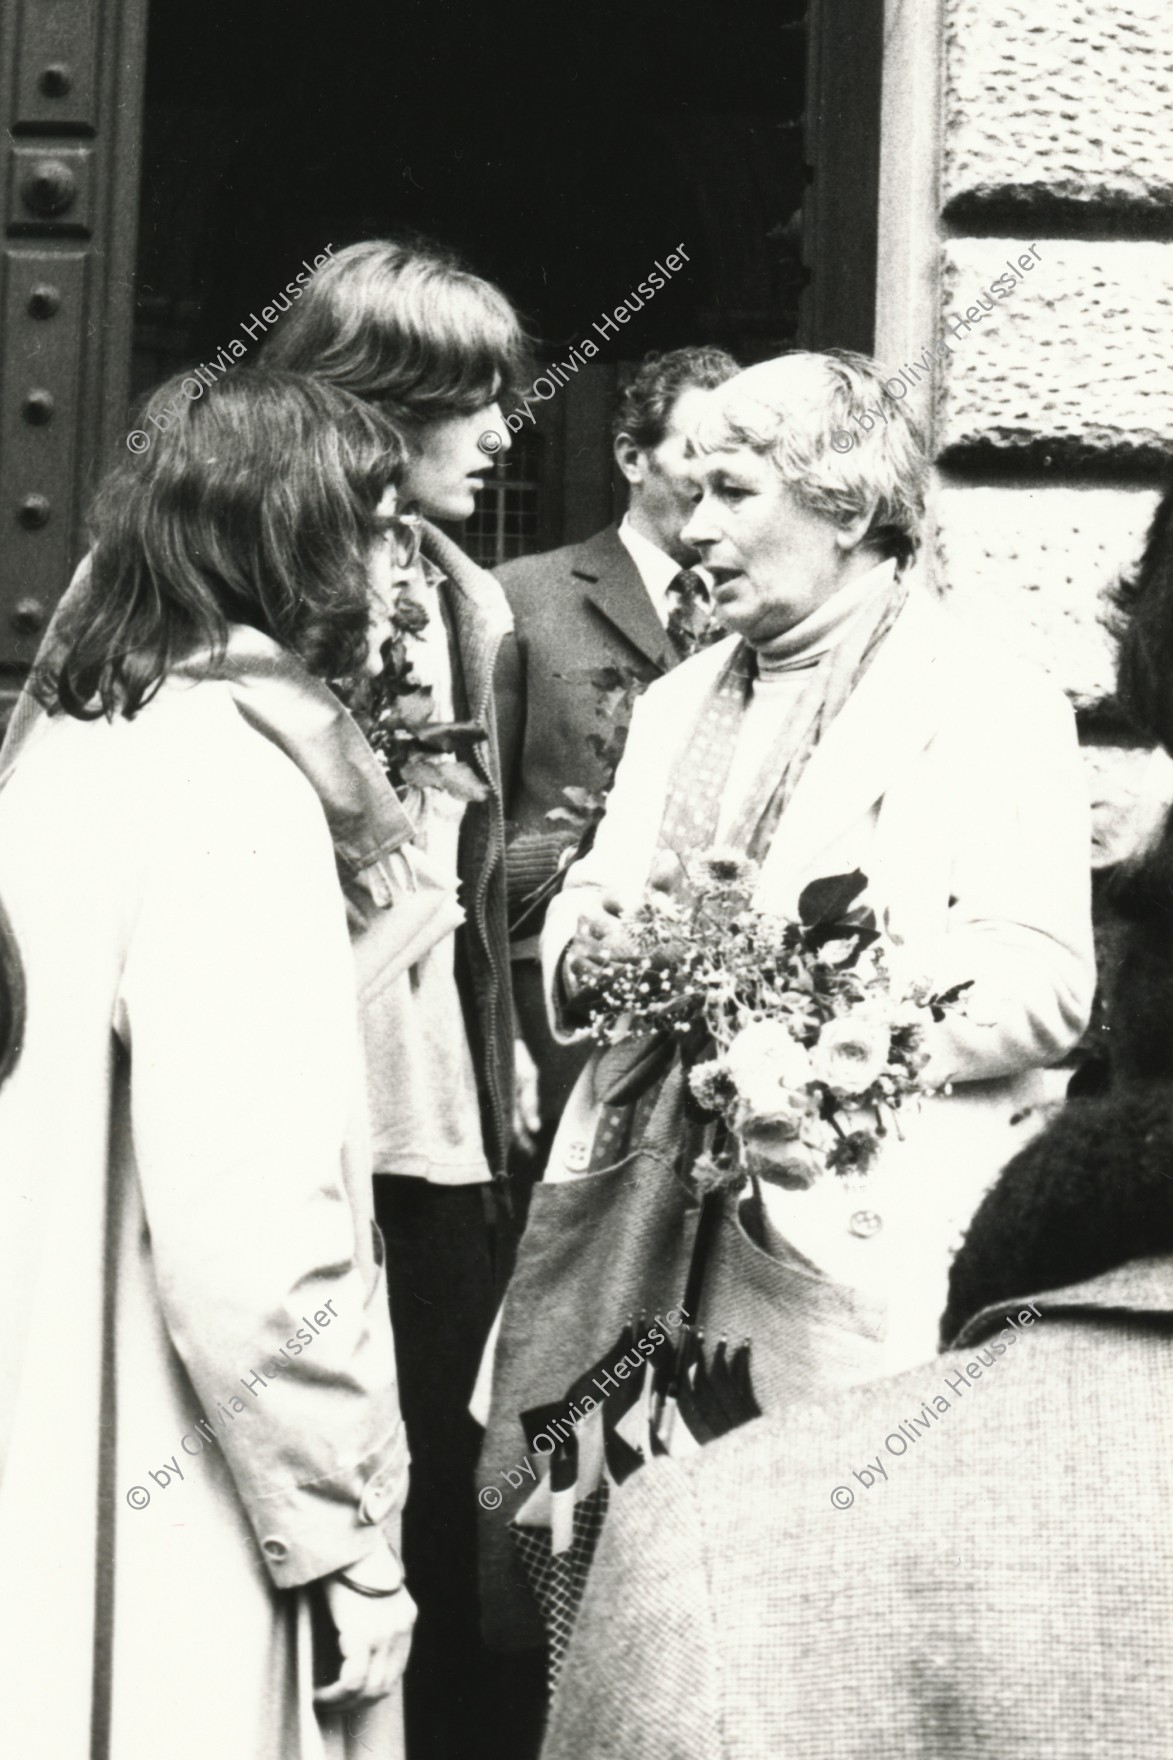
pixel 794 1034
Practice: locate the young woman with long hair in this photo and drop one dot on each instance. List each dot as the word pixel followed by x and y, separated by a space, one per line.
pixel 202 1461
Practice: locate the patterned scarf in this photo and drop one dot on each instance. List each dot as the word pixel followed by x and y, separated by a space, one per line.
pixel 696 792
pixel 698 784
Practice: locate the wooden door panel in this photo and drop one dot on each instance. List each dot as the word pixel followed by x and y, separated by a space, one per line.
pixel 70 117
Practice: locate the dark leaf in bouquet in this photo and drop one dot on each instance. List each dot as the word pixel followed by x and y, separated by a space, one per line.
pixel 597 744
pixel 938 1004
pixel 828 900
pixel 854 1152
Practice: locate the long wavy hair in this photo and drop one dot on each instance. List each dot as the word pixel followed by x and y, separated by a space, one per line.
pixel 255 502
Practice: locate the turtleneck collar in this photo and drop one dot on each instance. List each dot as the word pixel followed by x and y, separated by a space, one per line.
pixel 805 644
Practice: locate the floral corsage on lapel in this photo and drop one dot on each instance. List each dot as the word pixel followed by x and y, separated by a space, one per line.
pixel 397 713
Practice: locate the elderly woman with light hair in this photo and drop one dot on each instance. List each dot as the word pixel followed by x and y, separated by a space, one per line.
pixel 846 722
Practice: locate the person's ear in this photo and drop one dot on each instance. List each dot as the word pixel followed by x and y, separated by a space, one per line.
pixel 631 459
pixel 850 532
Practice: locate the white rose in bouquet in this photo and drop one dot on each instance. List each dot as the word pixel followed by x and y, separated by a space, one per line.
pixel 773 1114
pixel 850 1053
pixel 768 1065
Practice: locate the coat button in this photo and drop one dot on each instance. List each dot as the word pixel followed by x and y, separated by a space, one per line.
pixel 275 1549
pixel 376 1502
pixel 866 1223
pixel 578 1155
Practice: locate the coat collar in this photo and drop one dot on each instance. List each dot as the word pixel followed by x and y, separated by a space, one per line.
pixel 614 588
pixel 300 715
pixel 889 718
pixel 481 618
pixel 1142 1287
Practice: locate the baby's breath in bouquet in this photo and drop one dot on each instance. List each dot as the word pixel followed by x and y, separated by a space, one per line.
pixel 794 1033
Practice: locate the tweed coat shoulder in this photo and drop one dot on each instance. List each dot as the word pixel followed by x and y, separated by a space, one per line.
pixel 971 1561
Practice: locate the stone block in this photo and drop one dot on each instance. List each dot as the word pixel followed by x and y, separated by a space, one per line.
pixel 1049 103
pixel 1075 359
pixel 1029 568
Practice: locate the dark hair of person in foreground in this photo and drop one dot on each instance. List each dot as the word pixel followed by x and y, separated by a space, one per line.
pixel 254 504
pixel 1142 623
pixel 1089 1193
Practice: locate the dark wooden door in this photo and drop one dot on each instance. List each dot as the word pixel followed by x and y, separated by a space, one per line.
pixel 70 106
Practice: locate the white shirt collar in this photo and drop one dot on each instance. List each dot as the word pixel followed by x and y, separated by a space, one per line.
pixel 655 567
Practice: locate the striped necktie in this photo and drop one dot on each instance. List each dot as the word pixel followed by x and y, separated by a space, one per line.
pixel 690 613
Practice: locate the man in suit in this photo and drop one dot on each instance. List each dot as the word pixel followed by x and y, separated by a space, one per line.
pixel 611 602
pixel 973 1558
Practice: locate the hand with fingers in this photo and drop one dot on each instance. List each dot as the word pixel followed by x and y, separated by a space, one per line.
pixel 373 1615
pixel 600 942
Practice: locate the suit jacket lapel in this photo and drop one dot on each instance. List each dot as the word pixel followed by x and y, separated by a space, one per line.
pixel 615 589
pixel 890 717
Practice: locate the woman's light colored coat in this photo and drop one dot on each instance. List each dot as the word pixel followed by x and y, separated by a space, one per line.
pixel 952 778
pixel 184 1187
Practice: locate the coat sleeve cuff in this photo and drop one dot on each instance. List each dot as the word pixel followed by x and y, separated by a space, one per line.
pixel 311 1530
pixel 566 1028
pixel 532 860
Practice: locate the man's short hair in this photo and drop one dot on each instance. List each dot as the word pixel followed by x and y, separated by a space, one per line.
pixel 800 409
pixel 645 407
pixel 404 325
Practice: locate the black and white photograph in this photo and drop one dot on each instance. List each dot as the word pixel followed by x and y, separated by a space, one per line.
pixel 586 880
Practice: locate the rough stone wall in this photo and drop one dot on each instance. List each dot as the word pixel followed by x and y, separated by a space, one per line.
pixel 1054 420
pixel 1049 101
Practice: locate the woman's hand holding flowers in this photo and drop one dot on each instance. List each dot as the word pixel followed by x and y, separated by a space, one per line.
pixel 601 941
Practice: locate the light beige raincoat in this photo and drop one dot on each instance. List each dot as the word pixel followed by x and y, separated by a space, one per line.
pixel 198 1411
